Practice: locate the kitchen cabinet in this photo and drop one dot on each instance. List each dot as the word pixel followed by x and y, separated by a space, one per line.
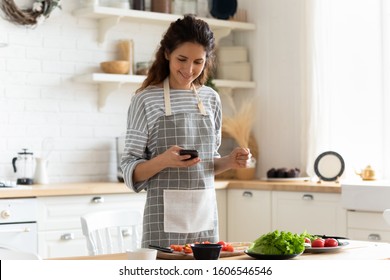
pixel 59 226
pixel 108 18
pixel 367 226
pixel 249 214
pixel 317 213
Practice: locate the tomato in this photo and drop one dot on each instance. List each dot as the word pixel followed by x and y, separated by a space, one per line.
pixel 206 242
pixel 223 243
pixel 331 242
pixel 228 248
pixel 177 248
pixel 318 242
pixel 187 249
pixel 307 240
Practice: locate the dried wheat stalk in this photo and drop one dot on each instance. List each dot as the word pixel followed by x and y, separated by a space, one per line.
pixel 239 126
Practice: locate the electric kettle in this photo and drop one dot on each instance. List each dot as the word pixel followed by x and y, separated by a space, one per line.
pixel 23 166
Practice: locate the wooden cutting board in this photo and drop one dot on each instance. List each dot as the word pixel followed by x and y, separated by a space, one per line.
pixel 239 248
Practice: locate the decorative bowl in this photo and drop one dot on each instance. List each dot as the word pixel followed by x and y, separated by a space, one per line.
pixel 115 67
pixel 206 251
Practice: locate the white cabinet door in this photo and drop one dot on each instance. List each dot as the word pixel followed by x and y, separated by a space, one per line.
pixel 249 214
pixel 368 226
pixel 316 213
pixel 59 226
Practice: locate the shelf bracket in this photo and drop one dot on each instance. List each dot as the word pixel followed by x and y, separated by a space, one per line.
pixel 105 90
pixel 221 33
pixel 105 24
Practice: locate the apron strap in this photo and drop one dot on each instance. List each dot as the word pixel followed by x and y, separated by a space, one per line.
pixel 167 99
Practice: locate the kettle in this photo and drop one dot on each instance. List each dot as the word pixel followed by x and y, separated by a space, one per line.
pixel 367 173
pixel 23 167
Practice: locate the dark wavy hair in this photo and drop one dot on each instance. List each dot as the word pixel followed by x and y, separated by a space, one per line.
pixel 186 29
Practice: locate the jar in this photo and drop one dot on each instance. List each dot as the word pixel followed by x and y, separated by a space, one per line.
pixel 161 6
pixel 139 5
pixel 142 68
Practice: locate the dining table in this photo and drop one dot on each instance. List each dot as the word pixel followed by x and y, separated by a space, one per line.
pixel 351 250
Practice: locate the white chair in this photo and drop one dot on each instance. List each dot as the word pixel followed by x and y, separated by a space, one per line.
pixel 7 253
pixel 386 215
pixel 105 231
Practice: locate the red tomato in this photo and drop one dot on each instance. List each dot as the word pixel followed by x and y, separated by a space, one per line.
pixel 187 250
pixel 229 248
pixel 307 240
pixel 177 248
pixel 331 242
pixel 223 243
pixel 206 242
pixel 319 242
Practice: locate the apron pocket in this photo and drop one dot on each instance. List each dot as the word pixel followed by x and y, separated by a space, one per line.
pixel 187 211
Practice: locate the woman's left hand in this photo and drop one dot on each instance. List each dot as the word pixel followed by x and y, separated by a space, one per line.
pixel 240 157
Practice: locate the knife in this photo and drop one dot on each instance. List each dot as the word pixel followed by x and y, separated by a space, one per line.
pixel 162 249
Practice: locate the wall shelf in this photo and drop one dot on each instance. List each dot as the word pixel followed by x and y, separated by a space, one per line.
pixel 109 83
pixel 109 17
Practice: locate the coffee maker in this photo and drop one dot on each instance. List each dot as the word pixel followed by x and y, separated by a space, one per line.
pixel 23 166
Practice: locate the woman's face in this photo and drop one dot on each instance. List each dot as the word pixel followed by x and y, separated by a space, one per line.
pixel 186 63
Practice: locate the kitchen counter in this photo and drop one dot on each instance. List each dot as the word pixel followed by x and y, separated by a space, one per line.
pixel 63 189
pixel 356 250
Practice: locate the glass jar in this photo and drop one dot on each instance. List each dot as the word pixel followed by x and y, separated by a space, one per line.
pixel 142 68
pixel 139 5
pixel 161 6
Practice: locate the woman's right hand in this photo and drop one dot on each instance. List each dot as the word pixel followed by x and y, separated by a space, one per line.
pixel 172 158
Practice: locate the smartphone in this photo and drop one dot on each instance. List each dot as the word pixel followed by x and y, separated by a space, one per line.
pixel 193 153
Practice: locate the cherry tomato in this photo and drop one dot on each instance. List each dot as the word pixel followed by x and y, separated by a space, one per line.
pixel 206 242
pixel 177 248
pixel 187 249
pixel 319 242
pixel 223 243
pixel 229 248
pixel 331 242
pixel 307 240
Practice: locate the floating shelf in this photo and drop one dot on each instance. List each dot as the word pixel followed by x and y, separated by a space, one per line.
pixel 109 17
pixel 109 83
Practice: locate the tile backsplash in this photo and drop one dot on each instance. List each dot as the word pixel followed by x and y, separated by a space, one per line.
pixel 39 98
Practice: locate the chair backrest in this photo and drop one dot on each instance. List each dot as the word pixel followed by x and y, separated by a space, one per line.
pixel 106 231
pixel 7 253
pixel 386 215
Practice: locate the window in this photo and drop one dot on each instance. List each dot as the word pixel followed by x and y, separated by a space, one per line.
pixel 348 101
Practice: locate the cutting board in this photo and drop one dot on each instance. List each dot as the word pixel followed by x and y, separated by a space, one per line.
pixel 239 248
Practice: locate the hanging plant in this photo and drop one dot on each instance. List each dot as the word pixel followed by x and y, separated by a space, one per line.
pixel 37 14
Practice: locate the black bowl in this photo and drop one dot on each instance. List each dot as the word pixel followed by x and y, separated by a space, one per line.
pixel 206 251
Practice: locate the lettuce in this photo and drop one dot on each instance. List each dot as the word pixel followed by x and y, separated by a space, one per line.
pixel 278 243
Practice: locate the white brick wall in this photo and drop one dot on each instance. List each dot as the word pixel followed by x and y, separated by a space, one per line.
pixel 39 99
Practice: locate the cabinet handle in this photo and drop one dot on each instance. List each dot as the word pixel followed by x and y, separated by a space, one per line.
pixel 308 197
pixel 125 232
pixel 374 237
pixel 247 194
pixel 67 236
pixel 97 199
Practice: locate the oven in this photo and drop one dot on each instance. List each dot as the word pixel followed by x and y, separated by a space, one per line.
pixel 18 224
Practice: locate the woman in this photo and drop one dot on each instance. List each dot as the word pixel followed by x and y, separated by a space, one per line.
pixel 171 111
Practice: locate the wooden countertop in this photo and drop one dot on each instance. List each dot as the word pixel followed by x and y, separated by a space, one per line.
pixel 355 250
pixel 63 189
